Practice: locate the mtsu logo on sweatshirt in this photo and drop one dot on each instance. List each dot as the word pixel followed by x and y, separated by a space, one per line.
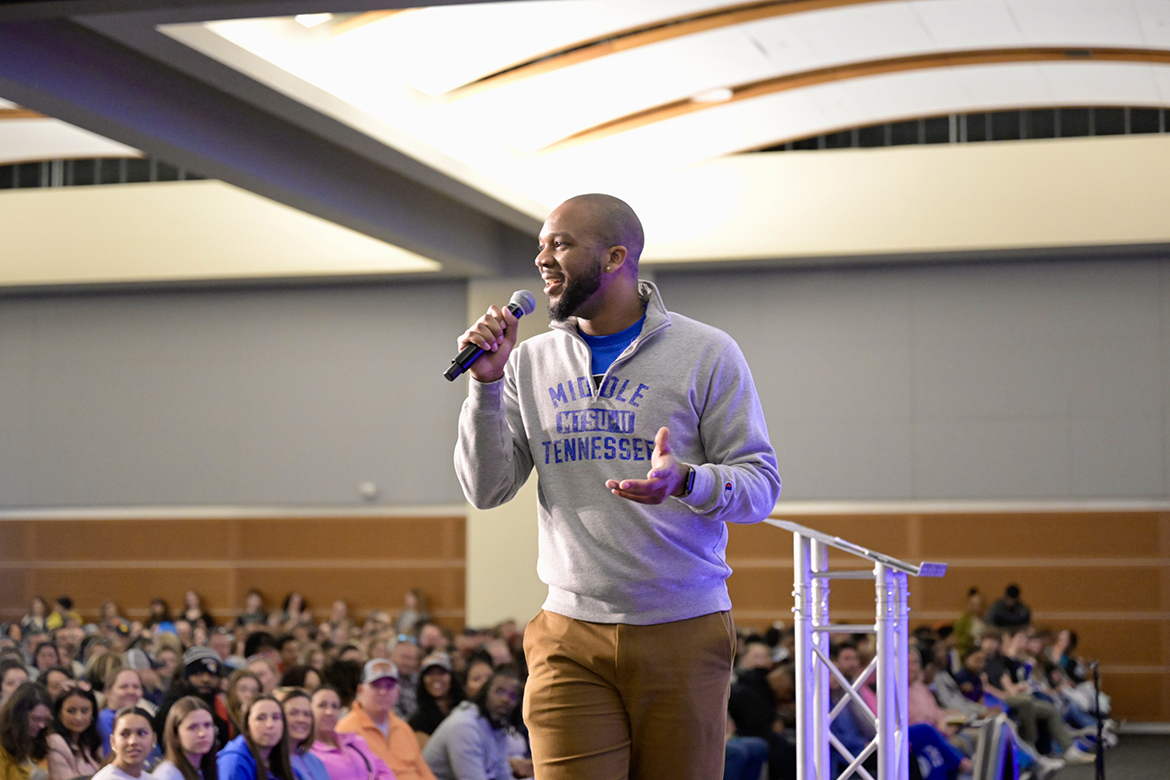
pixel 581 433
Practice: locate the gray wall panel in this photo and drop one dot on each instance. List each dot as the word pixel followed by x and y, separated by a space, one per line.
pixel 1035 380
pixel 1029 380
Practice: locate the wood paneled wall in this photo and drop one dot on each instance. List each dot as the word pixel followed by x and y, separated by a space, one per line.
pixel 1105 575
pixel 370 562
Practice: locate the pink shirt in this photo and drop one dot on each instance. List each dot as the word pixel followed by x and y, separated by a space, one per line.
pixel 922 706
pixel 345 761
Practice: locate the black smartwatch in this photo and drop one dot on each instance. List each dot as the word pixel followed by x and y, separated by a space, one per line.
pixel 689 484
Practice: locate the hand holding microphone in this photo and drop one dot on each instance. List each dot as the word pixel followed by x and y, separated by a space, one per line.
pixel 486 345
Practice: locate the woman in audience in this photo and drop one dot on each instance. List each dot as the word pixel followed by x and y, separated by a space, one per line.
pixel 243 686
pixel 75 747
pixel 193 611
pixel 24 719
pixel 439 691
pixel 34 621
pixel 123 689
pixel 45 657
pixel 261 751
pixel 292 611
pixel 254 612
pixel 189 742
pixel 312 655
pixel 298 718
pixel 345 756
pixel 301 677
pixel 479 671
pixel 112 619
pixel 57 680
pixel 100 667
pixel 12 676
pixel 132 744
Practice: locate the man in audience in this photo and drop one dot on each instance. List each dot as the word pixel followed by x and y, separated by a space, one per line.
pixel 431 639
pixel 473 740
pixel 1009 611
pixel 407 657
pixel 756 655
pixel 199 676
pixel 373 718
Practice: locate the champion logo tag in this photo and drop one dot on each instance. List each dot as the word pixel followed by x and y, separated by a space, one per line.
pixel 727 488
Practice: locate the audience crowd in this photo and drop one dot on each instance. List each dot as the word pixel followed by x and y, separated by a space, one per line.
pixel 280 695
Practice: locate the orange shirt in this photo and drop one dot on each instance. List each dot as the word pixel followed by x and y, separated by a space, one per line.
pixel 400 749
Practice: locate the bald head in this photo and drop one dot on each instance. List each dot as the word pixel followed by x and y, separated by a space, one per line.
pixel 614 223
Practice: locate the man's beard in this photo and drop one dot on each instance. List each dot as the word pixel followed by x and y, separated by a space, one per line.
pixel 575 293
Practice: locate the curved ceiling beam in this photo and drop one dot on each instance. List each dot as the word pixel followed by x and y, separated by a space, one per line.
pixel 624 40
pixel 856 70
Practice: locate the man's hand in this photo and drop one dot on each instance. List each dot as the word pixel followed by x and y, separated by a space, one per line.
pixel 665 478
pixel 495 332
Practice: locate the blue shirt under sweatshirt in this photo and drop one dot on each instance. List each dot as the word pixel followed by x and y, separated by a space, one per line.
pixel 605 349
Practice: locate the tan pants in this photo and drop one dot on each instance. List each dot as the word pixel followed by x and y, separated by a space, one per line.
pixel 611 702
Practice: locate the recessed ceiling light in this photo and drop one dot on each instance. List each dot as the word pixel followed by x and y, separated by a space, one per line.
pixel 312 20
pixel 718 95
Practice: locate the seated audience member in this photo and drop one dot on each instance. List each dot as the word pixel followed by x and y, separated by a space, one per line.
pixel 479 670
pixel 261 752
pixel 193 611
pixel 312 655
pixel 1009 611
pixel 339 620
pixel 188 742
pixel 168 652
pixel 13 674
pixel 243 686
pixel 132 743
pixel 101 664
pixel 288 648
pixel 75 747
pixel 439 692
pixel 351 652
pixel 34 621
pixel 123 689
pixel 265 671
pixel 1003 680
pixel 407 657
pixel 744 758
pixel 152 686
pixel 292 612
pixel 755 655
pixel 753 708
pixel 160 621
pixel 432 639
pixel 62 615
pixel 1063 654
pixel 57 680
pixel 345 756
pixel 24 721
pixel 298 720
pixel 68 641
pixel 345 677
pixel 111 618
pixel 254 613
pixel 200 676
pixel 301 677
pixel 473 742
pixel 45 657
pixel 413 613
pixel 848 662
pixel 373 719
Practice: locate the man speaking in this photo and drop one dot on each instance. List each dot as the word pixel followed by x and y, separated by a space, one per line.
pixel 647 434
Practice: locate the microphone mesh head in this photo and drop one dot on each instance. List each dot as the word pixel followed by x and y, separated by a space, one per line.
pixel 524 300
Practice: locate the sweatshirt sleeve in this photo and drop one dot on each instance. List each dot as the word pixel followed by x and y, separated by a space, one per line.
pixel 739 482
pixel 492 459
pixel 465 751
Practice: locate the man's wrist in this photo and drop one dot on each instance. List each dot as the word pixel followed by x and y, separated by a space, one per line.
pixel 688 482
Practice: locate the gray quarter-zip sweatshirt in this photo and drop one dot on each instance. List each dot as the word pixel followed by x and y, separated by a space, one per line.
pixel 607 559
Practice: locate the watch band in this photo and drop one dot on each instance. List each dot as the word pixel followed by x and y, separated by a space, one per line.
pixel 690 482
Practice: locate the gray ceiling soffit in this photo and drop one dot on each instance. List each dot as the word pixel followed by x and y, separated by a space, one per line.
pixel 68 71
pixel 199 10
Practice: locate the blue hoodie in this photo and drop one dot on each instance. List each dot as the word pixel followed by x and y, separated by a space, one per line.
pixel 235 761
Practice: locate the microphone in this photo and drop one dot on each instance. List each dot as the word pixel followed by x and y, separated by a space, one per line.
pixel 523 302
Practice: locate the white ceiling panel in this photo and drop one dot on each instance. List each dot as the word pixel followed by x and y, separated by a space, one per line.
pixel 439 49
pixel 1083 22
pixel 862 32
pixel 50 139
pixel 968 24
pixel 1154 18
pixel 1006 84
pixel 1105 83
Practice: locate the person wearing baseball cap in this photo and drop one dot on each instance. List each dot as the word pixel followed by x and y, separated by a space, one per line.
pixel 373 718
pixel 199 675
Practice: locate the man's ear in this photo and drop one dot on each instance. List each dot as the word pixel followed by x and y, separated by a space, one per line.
pixel 615 258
